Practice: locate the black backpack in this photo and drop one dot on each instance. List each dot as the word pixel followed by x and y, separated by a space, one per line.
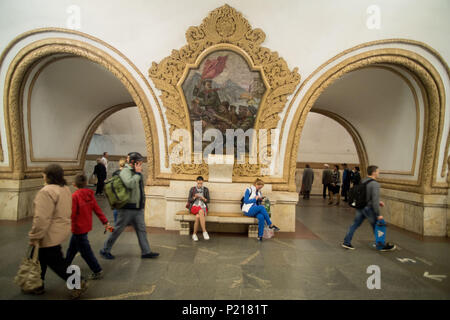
pixel 357 195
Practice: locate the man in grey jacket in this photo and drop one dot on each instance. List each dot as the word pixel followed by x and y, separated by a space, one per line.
pixel 371 211
pixel 133 212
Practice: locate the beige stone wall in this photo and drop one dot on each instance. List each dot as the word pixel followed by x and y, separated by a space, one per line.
pixel 425 215
pixel 16 197
pixel 164 202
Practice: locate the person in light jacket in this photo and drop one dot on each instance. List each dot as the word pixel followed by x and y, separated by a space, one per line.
pixel 252 207
pixel 52 208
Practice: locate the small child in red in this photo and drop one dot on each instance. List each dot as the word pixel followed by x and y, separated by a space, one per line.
pixel 83 203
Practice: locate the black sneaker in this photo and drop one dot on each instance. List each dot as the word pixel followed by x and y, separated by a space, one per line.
pixel 347 246
pixel 260 239
pixel 106 255
pixel 150 255
pixel 388 247
pixel 275 228
pixel 96 275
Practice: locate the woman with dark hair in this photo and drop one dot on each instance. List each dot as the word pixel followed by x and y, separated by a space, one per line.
pixel 52 208
pixel 198 199
pixel 335 185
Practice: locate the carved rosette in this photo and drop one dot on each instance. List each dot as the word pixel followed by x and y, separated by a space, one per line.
pixel 224 25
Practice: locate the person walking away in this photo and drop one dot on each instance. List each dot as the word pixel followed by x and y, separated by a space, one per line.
pixel 335 185
pixel 326 181
pixel 133 212
pixel 199 198
pixel 346 176
pixel 52 208
pixel 371 211
pixel 307 181
pixel 252 207
pixel 83 203
pixel 100 172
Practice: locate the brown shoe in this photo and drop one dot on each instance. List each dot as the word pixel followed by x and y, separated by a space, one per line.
pixel 76 293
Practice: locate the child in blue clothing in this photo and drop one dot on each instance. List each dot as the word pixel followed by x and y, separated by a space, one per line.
pixel 252 207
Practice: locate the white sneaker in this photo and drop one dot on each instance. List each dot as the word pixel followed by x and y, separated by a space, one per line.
pixel 194 237
pixel 205 235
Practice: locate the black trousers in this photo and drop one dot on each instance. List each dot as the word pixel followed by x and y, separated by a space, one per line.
pixel 80 243
pixel 53 257
pixel 100 186
pixel 345 188
pixel 325 189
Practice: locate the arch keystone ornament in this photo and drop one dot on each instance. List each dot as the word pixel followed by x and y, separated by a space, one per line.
pixel 223 29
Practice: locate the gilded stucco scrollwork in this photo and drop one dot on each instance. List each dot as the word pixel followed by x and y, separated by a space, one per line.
pixel 1 151
pixel 17 72
pixel 435 110
pixel 223 26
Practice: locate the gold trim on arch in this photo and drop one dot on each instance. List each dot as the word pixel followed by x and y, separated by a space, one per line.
pixel 95 39
pixel 40 49
pixel 224 26
pixel 433 86
pixel 418 119
pixel 356 137
pixel 87 137
pixel 422 45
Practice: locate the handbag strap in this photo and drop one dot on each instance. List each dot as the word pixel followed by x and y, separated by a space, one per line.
pixel 33 252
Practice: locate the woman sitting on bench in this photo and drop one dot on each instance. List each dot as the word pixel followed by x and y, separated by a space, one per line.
pixel 198 199
pixel 252 207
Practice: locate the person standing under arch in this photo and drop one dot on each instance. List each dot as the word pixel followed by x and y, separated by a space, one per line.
pixel 307 181
pixel 335 185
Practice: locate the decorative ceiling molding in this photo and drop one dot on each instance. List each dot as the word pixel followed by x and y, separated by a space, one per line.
pixel 224 27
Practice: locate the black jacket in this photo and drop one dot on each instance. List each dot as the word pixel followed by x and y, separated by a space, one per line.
pixel 192 192
pixel 100 171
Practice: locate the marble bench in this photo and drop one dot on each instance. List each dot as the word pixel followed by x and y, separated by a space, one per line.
pixel 221 217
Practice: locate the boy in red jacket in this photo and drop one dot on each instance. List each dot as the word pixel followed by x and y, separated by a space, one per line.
pixel 83 203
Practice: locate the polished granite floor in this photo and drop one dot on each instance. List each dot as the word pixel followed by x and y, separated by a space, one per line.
pixel 307 264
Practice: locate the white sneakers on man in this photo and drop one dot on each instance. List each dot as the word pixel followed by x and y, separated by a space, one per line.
pixel 194 237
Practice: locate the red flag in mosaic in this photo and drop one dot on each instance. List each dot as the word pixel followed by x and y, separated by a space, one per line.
pixel 213 68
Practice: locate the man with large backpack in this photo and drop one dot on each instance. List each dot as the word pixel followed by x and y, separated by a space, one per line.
pixel 132 212
pixel 365 197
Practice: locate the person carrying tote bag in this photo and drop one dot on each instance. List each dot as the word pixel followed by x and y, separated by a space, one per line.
pixel 28 276
pixel 52 208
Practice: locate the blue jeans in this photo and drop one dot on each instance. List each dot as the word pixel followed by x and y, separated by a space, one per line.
pixel 261 214
pixel 115 215
pixel 361 214
pixel 80 243
pixel 124 218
